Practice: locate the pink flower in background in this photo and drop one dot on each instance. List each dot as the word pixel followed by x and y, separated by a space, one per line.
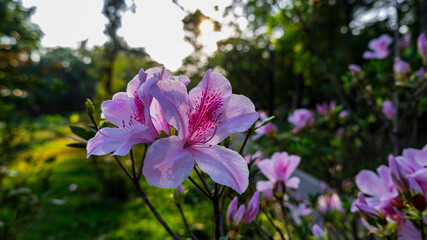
pixel 325 109
pixel 421 74
pixel 278 169
pixel 388 109
pixel 401 68
pixel 422 46
pixel 379 47
pixel 405 42
pixel 354 68
pixel 257 155
pixel 344 114
pixel 317 231
pixel 266 130
pixel 298 211
pixel 301 118
pixel 203 117
pixel 328 203
pixel 139 119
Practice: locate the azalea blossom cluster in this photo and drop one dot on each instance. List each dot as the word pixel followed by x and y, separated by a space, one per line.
pixel 181 127
pixel 392 201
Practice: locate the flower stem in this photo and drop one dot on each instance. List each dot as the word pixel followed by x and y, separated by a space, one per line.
pixel 423 236
pixel 215 202
pixel 144 197
pixel 245 141
pixel 185 222
pixel 285 220
pixel 208 195
pixel 154 211
pixel 272 223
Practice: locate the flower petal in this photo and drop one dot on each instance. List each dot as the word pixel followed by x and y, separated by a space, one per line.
pixel 267 168
pixel 167 164
pixel 369 183
pixel 172 96
pixel 106 140
pixel 239 116
pixel 137 134
pixel 117 111
pixel 263 186
pixel 223 165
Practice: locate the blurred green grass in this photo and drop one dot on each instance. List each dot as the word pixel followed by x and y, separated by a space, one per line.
pixel 49 167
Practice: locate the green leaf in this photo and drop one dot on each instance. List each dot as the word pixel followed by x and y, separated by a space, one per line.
pixel 81 132
pixel 77 145
pixel 265 122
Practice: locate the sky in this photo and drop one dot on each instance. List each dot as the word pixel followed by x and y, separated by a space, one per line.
pixel 156 25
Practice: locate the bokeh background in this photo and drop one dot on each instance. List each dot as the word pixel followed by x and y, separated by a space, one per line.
pixel 54 54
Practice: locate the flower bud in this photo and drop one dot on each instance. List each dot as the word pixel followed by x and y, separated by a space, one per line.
pixel 178 194
pixel 355 69
pixel 401 69
pixel 90 108
pixel 388 109
pixel 253 208
pixel 422 46
pixel 230 210
pixel 417 195
pixel 398 175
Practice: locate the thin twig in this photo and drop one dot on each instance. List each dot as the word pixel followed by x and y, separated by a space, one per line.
pixel 201 189
pixel 202 179
pixel 123 167
pixel 263 231
pixel 245 141
pixel 272 223
pixel 217 222
pixel 142 162
pixel 185 222
pixel 133 164
pixel 285 220
pixel 154 211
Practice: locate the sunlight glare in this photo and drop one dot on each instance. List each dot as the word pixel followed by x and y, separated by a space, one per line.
pixel 206 27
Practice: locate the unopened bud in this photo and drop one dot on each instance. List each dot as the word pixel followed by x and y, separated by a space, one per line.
pixel 419 202
pixel 90 108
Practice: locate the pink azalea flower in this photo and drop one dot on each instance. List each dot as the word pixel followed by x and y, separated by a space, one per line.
pixel 325 109
pixel 128 110
pixel 278 169
pixel 379 187
pixel 422 46
pixel 301 118
pixel 329 203
pixel 203 117
pixel 354 68
pixel 266 130
pixel 257 155
pixel 378 47
pixel 388 109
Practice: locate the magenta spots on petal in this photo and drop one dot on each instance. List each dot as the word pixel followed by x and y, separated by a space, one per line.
pixel 138 111
pixel 205 117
